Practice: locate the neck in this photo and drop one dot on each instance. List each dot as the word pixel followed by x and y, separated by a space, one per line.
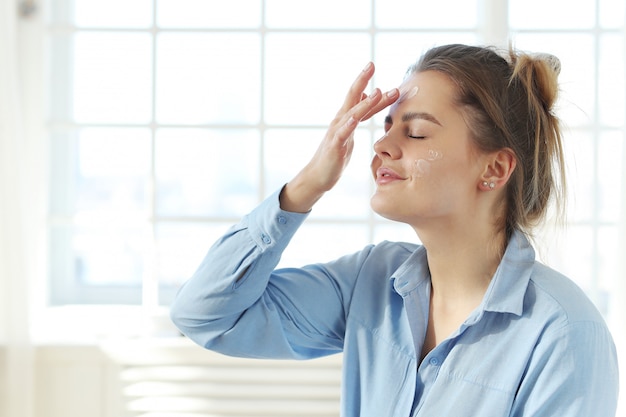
pixel 462 261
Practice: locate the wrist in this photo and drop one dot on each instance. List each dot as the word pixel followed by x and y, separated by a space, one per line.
pixel 298 197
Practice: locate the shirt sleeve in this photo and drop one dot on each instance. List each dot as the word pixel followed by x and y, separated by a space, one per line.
pixel 236 302
pixel 573 372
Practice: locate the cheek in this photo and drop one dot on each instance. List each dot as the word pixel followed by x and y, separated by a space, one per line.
pixel 422 167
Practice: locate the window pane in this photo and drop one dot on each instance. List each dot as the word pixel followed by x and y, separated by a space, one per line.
pixel 112 77
pixel 109 178
pixel 109 255
pixel 113 13
pixel 206 172
pixel 317 14
pixel 612 13
pixel 579 159
pixel 608 266
pixel 102 263
pixel 610 168
pixel 576 105
pixel 308 75
pixel 570 252
pixel 288 150
pixel 209 13
pixel 611 80
pixel 180 249
pixel 441 14
pixel 208 78
pixel 553 14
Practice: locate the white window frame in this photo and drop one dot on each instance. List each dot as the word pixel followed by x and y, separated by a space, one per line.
pixel 493 30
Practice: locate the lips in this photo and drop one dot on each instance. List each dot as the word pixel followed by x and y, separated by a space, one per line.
pixel 386 175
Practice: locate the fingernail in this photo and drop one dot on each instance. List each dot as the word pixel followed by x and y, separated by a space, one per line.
pixel 351 122
pixel 374 94
pixel 392 93
pixel 367 67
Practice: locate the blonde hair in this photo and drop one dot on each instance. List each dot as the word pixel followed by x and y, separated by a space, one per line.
pixel 508 101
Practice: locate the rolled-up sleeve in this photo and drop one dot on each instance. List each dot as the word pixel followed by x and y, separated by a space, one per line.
pixel 238 303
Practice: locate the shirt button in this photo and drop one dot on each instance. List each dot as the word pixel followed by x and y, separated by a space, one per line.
pixel 434 361
pixel 282 219
pixel 266 239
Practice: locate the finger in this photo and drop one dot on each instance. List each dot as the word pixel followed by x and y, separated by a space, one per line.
pixel 345 131
pixel 355 93
pixel 361 109
pixel 349 121
pixel 387 99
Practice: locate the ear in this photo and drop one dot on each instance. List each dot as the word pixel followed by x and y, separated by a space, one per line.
pixel 498 169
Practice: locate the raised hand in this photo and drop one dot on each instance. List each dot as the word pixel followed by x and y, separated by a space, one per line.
pixel 333 154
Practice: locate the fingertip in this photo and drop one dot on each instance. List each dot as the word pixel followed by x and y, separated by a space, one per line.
pixel 375 94
pixel 393 93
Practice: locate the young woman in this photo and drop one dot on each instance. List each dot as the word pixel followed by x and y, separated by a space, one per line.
pixel 467 324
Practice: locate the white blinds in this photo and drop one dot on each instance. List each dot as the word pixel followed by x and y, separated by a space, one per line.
pixel 184 380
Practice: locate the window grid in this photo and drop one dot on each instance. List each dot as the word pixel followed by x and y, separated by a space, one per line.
pixel 150 284
pixel 595 224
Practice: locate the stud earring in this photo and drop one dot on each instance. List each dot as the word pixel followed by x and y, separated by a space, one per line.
pixel 491 185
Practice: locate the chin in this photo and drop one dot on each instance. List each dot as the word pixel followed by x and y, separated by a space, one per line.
pixel 385 208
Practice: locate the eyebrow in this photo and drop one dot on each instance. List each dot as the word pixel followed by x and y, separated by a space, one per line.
pixel 407 117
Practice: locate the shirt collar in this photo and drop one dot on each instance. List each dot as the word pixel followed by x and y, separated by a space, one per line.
pixel 507 288
pixel 413 272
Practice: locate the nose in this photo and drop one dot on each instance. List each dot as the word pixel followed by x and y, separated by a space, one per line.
pixel 386 147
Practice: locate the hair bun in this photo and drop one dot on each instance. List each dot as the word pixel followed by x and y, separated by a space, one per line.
pixel 552 61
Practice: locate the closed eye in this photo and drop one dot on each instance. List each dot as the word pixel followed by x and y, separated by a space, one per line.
pixel 416 137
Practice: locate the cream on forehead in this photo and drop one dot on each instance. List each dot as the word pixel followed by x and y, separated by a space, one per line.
pixel 407 92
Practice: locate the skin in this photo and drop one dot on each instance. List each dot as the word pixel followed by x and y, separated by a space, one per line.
pixel 447 204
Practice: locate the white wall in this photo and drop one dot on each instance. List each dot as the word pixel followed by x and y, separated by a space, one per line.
pixel 75 381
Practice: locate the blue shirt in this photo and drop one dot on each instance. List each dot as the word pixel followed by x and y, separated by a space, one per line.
pixel 536 346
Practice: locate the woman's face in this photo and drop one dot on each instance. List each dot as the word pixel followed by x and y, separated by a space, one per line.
pixel 425 166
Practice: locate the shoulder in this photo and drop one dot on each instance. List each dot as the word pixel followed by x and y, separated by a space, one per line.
pixel 574 331
pixel 373 265
pixel 391 255
pixel 391 252
pixel 556 296
pixel 399 248
pixel 380 259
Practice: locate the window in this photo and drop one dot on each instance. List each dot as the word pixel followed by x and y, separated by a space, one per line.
pixel 589 41
pixel 170 119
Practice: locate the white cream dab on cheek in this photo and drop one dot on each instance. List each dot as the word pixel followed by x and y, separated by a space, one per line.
pixel 422 168
pixel 434 155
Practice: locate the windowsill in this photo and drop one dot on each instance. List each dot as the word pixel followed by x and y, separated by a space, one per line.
pixel 93 325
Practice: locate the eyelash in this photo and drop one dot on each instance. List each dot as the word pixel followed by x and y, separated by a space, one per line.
pixel 420 137
pixel 416 137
